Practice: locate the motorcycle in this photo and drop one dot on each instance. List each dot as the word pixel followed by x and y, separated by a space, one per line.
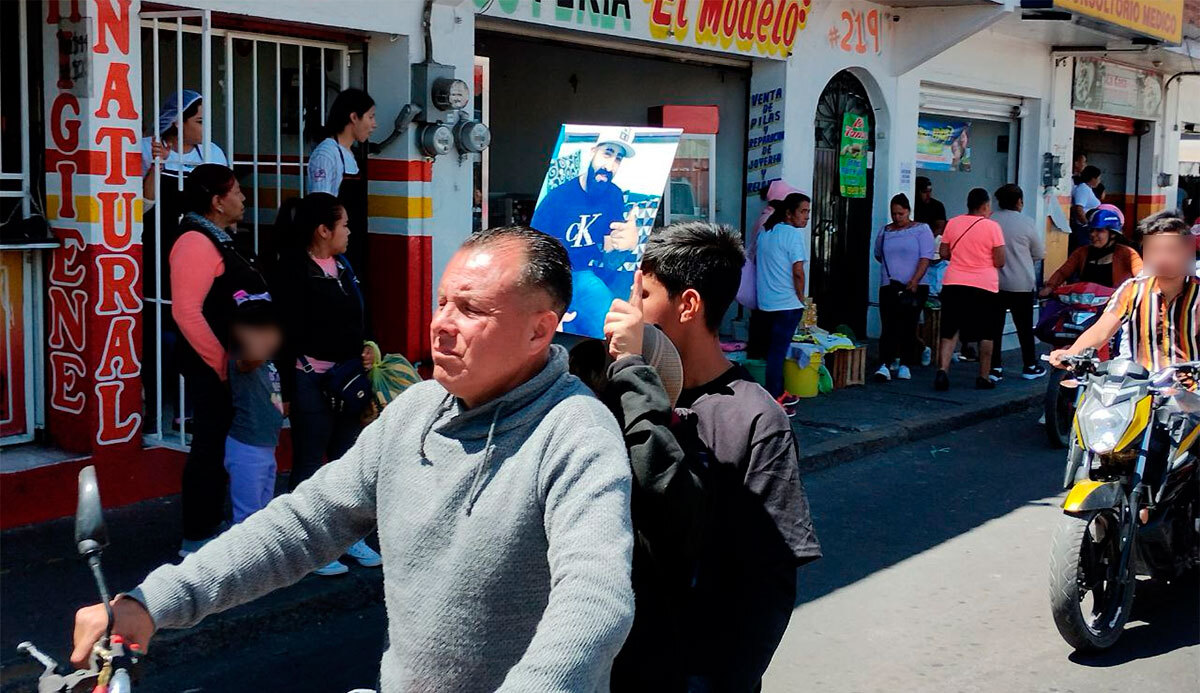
pixel 113 662
pixel 1118 524
pixel 1068 314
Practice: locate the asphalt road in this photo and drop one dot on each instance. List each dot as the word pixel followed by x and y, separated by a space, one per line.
pixel 934 579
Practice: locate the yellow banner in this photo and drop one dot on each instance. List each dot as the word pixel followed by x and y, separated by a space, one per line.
pixel 1161 19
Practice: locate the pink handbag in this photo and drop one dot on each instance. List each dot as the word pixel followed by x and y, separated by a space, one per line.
pixel 747 293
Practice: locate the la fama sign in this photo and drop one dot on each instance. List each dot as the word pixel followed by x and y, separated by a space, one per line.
pixel 756 27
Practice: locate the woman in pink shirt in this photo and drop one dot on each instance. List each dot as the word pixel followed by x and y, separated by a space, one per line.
pixel 974 245
pixel 206 271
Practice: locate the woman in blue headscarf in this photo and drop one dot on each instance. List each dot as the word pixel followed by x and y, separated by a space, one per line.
pixel 164 148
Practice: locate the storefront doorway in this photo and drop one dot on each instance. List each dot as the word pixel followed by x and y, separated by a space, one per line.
pixel 536 85
pixel 1106 142
pixel 841 226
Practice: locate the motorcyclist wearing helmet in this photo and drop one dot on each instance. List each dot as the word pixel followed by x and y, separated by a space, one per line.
pixel 1103 261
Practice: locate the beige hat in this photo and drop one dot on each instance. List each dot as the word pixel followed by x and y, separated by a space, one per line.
pixel 662 356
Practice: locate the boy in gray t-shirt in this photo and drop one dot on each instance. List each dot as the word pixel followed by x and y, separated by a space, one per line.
pixel 257 405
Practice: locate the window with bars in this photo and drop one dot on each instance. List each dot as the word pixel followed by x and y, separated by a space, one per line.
pixel 264 100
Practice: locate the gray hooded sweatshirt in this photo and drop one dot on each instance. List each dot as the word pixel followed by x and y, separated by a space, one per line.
pixel 504 529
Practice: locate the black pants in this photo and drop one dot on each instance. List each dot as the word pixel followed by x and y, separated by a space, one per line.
pixel 205 480
pixel 318 432
pixel 759 335
pixel 898 337
pixel 1020 304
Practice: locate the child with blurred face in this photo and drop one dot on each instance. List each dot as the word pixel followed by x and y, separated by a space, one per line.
pixel 258 408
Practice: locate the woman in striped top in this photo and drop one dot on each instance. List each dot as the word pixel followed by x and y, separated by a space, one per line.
pixel 1160 310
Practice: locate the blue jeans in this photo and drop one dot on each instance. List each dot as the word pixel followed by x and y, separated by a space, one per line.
pixel 783 327
pixel 251 477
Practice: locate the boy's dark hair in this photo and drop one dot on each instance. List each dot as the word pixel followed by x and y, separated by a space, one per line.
pixel 547 265
pixel 1167 222
pixel 588 361
pixel 1008 195
pixel 697 255
pixel 977 198
pixel 256 312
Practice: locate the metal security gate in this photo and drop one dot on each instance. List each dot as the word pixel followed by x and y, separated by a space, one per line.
pixel 266 97
pixel 841 226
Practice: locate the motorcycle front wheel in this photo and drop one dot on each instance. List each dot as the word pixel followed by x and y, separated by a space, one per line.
pixel 1059 408
pixel 1088 598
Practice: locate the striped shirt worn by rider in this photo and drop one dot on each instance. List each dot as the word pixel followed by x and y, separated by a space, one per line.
pixel 1158 333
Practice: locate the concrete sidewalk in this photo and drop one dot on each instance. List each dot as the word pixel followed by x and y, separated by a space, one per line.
pixel 43 582
pixel 857 421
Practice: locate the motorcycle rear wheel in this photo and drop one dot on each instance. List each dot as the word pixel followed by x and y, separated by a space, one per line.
pixel 1089 601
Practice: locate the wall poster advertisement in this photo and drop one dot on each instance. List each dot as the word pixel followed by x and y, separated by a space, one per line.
pixel 943 145
pixel 599 198
pixel 852 155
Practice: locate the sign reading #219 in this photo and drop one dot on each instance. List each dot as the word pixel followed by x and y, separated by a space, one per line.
pixel 762 27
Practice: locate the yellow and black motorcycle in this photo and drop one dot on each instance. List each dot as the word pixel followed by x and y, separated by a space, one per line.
pixel 1132 508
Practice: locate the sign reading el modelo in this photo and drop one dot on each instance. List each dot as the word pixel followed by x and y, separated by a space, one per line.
pixel 1161 19
pixel 762 27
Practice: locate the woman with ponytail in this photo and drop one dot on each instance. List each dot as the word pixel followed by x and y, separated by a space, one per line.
pixel 333 167
pixel 324 322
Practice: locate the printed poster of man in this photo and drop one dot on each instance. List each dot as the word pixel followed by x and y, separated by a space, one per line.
pixel 599 199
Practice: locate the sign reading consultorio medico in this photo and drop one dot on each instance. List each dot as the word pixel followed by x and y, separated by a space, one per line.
pixel 764 28
pixel 1160 19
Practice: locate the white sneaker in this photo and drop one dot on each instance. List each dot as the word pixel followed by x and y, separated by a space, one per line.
pixel 365 555
pixel 334 568
pixel 883 375
pixel 926 356
pixel 903 373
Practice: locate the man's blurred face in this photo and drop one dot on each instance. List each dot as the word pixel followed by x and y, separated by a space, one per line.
pixel 925 195
pixel 487 330
pixel 1169 255
pixel 606 159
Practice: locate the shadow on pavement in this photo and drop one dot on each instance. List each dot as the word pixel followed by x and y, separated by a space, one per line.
pixel 894 505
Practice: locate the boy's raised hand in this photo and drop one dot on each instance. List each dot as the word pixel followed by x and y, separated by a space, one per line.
pixel 624 324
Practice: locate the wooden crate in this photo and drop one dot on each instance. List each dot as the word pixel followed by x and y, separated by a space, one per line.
pixel 848 367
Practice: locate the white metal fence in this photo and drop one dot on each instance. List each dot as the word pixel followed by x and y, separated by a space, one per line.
pixel 271 96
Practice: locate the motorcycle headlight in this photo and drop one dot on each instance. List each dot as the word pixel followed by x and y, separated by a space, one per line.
pixel 1101 426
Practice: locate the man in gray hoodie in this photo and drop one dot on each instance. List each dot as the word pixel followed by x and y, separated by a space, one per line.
pixel 501 492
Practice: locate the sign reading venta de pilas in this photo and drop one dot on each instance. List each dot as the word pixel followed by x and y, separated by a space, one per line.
pixel 765 28
pixel 94 207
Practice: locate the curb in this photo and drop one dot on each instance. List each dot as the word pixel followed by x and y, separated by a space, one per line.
pixel 854 445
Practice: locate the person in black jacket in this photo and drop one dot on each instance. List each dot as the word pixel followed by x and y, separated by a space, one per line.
pixel 668 501
pixel 324 320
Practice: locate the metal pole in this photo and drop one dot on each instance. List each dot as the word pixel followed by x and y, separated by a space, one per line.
pixel 345 70
pixel 254 138
pixel 179 96
pixel 158 377
pixel 229 151
pixel 322 115
pixel 300 127
pixel 206 80
pixel 23 81
pixel 278 129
